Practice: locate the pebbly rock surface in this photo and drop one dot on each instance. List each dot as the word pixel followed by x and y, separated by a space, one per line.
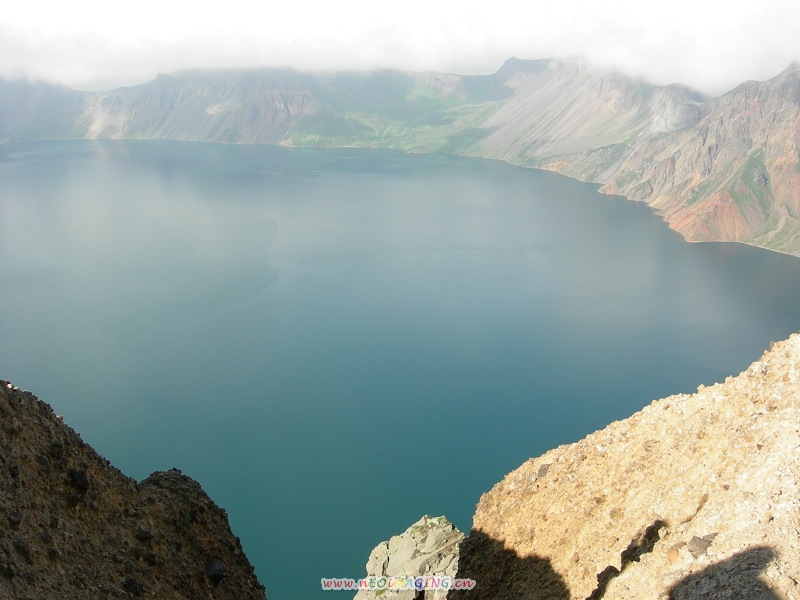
pixel 428 547
pixel 695 496
pixel 73 526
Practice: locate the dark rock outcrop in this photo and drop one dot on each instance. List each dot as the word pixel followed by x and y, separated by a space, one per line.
pixel 73 526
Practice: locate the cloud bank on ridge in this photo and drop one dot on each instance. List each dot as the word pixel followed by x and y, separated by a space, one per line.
pixel 93 45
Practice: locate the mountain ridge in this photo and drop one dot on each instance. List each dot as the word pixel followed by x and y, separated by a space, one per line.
pixel 715 169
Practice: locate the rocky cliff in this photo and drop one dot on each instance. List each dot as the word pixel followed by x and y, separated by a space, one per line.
pixel 726 168
pixel 733 175
pixel 73 526
pixel 695 496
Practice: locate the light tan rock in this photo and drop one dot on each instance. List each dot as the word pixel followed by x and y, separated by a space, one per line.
pixel 695 496
pixel 428 548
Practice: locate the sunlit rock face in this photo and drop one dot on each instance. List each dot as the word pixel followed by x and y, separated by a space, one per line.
pixel 695 496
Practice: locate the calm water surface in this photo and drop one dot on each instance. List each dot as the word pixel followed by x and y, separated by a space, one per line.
pixel 337 342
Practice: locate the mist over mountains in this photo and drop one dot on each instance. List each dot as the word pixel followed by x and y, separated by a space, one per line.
pixel 716 169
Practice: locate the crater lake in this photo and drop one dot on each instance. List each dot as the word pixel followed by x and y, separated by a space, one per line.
pixel 336 342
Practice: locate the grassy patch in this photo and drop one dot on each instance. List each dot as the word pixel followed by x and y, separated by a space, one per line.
pixel 626 180
pixel 737 197
pixel 612 152
pixel 418 125
pixel 700 192
pixel 787 239
pixel 755 173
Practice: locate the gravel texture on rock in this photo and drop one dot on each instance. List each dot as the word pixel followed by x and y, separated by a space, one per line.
pixel 695 496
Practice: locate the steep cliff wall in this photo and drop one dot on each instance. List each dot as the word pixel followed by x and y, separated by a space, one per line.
pixel 733 175
pixel 236 107
pixel 73 526
pixel 726 169
pixel 579 120
pixel 695 496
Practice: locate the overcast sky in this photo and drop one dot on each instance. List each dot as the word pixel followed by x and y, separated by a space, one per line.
pixel 97 44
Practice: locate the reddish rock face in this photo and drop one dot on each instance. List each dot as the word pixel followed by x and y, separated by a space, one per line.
pixel 716 218
pixel 731 176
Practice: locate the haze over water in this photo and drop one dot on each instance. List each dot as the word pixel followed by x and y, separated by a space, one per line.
pixel 336 342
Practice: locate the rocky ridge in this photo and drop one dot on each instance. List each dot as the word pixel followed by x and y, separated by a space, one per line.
pixel 73 526
pixel 695 496
pixel 732 175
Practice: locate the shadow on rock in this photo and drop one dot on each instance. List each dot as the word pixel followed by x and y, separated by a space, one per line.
pixel 641 544
pixel 736 577
pixel 502 575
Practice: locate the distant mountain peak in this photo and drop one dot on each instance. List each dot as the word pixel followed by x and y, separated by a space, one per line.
pixel 515 66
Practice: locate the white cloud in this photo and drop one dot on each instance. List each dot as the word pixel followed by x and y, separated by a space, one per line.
pixel 91 44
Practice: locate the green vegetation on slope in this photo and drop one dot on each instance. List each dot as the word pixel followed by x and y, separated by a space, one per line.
pixel 420 123
pixel 756 186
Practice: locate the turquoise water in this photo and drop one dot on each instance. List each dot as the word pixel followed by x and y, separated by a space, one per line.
pixel 335 342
